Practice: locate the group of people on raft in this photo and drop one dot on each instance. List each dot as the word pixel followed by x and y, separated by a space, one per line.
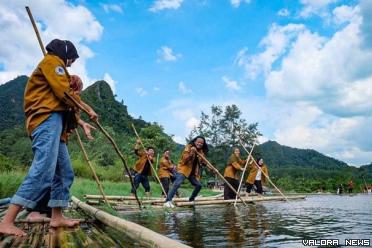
pixel 190 166
pixel 51 115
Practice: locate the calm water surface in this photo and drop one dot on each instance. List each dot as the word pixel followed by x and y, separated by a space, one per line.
pixel 268 224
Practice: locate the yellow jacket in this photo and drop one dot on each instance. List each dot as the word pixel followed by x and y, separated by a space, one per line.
pixel 45 90
pixel 165 167
pixel 186 162
pixel 142 160
pixel 253 173
pixel 234 165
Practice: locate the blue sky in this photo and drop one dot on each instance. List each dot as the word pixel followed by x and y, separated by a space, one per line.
pixel 301 69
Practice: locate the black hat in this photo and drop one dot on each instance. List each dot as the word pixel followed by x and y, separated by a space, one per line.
pixel 64 49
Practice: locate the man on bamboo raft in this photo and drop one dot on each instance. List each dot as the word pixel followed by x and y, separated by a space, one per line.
pixel 234 165
pixel 189 167
pixel 166 171
pixel 142 168
pixel 256 177
pixel 41 211
pixel 45 106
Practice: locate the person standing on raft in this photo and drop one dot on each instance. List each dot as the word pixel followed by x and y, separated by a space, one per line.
pixel 45 106
pixel 189 167
pixel 256 177
pixel 234 165
pixel 166 171
pixel 142 168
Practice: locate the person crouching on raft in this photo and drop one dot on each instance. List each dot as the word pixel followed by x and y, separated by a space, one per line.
pixel 142 168
pixel 256 177
pixel 234 165
pixel 189 167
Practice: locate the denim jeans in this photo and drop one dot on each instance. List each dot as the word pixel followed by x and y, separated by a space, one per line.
pixel 177 183
pixel 51 167
pixel 144 180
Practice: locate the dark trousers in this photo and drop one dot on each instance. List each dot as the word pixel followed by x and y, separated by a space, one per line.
pixel 165 181
pixel 227 192
pixel 177 183
pixel 258 186
pixel 141 179
pixel 42 205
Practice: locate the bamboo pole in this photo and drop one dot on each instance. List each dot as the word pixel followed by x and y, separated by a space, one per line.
pixel 91 168
pixel 152 167
pixel 245 168
pixel 146 237
pixel 128 198
pixel 219 174
pixel 259 168
pixel 112 141
pixel 249 200
pixel 365 183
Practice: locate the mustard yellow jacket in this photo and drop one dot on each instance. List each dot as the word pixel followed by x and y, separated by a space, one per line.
pixel 142 160
pixel 45 91
pixel 165 168
pixel 186 162
pixel 253 173
pixel 234 165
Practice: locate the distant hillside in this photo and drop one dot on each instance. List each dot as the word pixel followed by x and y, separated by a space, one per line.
pixel 11 103
pixel 277 155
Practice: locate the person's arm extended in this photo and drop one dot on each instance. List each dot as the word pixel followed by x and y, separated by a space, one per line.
pixel 86 128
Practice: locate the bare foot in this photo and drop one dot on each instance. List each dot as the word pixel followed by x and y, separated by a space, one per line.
pixel 36 216
pixel 11 229
pixel 63 222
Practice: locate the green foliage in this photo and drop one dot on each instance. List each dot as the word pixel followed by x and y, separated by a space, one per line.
pixel 9 182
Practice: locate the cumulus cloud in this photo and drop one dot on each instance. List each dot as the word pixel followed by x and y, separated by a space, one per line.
pixel 283 12
pixel 183 89
pixel 316 7
pixel 112 8
pixel 20 52
pixel 322 83
pixel 230 84
pixel 236 3
pixel 159 5
pixel 166 54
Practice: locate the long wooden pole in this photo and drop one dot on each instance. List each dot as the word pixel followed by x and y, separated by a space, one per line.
pixel 152 167
pixel 91 168
pixel 242 177
pixel 219 174
pixel 365 184
pixel 80 143
pixel 259 168
pixel 111 141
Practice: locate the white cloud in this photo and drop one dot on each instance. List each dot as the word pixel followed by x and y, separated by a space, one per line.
pixel 283 12
pixel 156 88
pixel 20 52
pixel 141 91
pixel 236 3
pixel 316 7
pixel 179 139
pixel 183 89
pixel 165 4
pixel 110 81
pixel 230 84
pixel 323 85
pixel 112 8
pixel 166 54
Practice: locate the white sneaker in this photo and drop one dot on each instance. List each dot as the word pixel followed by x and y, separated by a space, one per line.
pixel 168 204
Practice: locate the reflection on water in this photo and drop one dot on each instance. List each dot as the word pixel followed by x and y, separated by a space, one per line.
pixel 269 224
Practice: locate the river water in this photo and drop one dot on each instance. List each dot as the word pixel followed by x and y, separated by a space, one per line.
pixel 265 224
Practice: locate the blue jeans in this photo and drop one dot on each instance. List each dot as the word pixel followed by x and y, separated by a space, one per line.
pixel 139 178
pixel 177 183
pixel 51 167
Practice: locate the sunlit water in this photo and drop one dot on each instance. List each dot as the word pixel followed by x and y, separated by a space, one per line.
pixel 265 224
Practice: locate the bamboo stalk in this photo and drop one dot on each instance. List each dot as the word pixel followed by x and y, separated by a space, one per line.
pixel 219 174
pixel 259 168
pixel 47 220
pixel 152 167
pixel 145 236
pixel 36 29
pixel 245 168
pixel 129 198
pixel 365 184
pixel 91 168
pixel 250 200
pixel 111 141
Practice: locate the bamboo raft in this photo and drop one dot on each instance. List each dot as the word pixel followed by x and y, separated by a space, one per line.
pixel 97 229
